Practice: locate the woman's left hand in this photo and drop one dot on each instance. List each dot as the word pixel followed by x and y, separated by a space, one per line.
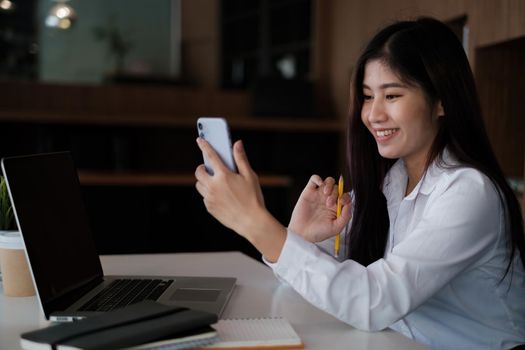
pixel 315 215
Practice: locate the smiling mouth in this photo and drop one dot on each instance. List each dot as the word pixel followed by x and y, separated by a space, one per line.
pixel 385 133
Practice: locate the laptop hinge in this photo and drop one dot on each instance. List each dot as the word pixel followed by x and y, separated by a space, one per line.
pixel 65 300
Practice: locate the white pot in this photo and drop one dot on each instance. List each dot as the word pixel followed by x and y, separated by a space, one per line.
pixel 16 278
pixel 11 240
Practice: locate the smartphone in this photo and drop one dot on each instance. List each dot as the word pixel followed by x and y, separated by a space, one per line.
pixel 216 131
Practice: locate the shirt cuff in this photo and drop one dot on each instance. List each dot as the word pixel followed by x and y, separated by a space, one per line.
pixel 294 254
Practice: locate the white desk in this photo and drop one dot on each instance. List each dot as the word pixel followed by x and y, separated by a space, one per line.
pixel 257 294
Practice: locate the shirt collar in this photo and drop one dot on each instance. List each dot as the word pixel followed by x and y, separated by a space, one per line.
pixel 428 181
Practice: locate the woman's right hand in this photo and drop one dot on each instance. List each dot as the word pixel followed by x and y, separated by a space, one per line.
pixel 314 216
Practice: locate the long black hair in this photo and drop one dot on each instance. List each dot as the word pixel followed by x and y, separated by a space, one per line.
pixel 424 52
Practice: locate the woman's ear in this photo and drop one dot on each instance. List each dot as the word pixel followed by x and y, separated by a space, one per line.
pixel 440 112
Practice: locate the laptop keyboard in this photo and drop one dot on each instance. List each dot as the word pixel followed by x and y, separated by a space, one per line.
pixel 122 292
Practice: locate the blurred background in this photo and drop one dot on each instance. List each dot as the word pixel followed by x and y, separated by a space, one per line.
pixel 120 84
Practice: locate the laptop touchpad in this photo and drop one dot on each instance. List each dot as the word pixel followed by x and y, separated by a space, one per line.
pixel 193 294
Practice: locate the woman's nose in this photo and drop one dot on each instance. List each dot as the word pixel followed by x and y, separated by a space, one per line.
pixel 376 111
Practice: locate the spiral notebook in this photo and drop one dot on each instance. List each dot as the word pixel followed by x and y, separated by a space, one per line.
pixel 256 333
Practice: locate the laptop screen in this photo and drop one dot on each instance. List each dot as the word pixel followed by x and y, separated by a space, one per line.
pixel 50 212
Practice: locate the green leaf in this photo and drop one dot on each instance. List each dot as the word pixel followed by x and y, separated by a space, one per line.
pixel 6 211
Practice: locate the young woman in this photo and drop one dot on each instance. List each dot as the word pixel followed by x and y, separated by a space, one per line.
pixel 434 244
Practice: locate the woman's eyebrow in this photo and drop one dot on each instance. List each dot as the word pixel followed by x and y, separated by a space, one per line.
pixel 386 85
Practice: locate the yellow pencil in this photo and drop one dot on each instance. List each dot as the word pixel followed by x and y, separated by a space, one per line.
pixel 338 213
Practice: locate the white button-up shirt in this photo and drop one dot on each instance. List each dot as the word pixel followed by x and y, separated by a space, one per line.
pixel 439 281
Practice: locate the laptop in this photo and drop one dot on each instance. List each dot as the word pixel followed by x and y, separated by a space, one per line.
pixel 48 205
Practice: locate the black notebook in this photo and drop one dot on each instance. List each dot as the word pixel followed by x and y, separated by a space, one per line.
pixel 145 325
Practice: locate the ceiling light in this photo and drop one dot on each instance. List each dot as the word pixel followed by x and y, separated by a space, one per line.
pixel 61 15
pixel 7 5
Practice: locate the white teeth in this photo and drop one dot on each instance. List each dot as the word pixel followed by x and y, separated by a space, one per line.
pixel 383 133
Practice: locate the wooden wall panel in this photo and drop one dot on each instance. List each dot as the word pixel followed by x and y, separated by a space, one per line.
pixel 122 100
pixel 497 21
pixel 499 74
pixel 516 18
pixel 321 56
pixel 201 42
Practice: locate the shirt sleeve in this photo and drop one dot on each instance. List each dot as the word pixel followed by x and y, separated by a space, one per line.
pixel 328 245
pixel 459 225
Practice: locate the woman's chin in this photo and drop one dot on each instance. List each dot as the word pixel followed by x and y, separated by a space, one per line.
pixel 388 154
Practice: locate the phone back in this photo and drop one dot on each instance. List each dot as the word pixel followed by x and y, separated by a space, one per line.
pixel 216 132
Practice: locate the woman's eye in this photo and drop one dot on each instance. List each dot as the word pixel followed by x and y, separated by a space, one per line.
pixel 391 97
pixel 367 97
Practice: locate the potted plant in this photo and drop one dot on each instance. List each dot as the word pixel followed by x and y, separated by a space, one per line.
pixel 16 278
pixel 7 222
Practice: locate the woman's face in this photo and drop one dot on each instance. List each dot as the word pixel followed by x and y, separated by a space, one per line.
pixel 398 115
